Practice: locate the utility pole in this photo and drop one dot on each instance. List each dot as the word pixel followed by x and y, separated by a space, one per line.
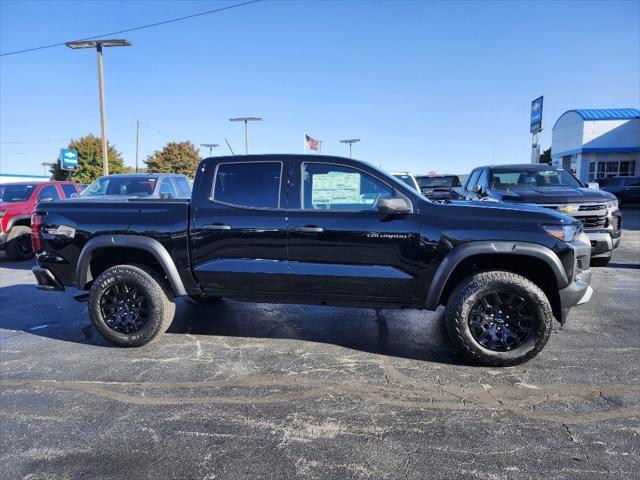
pixel 98 45
pixel 137 143
pixel 246 121
pixel 350 142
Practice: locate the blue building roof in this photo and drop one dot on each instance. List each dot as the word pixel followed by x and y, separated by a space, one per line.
pixel 607 113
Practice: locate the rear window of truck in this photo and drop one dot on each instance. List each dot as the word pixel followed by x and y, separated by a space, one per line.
pixel 248 184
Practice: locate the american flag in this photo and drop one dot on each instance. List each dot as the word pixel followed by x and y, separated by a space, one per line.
pixel 312 143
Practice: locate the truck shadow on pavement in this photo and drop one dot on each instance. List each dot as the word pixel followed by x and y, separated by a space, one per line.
pixel 409 334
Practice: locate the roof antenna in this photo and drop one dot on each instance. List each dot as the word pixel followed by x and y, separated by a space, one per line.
pixel 229 147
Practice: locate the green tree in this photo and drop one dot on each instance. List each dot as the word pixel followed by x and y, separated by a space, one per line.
pixel 89 168
pixel 545 156
pixel 175 157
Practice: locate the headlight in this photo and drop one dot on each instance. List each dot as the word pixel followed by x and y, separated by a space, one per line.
pixel 566 233
pixel 612 205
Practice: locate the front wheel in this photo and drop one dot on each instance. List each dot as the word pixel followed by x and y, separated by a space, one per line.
pixel 498 318
pixel 130 305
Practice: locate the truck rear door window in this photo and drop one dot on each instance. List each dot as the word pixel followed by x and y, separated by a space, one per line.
pixel 184 189
pixel 248 184
pixel 68 189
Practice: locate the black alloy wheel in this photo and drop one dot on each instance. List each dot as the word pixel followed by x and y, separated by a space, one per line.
pixel 124 307
pixel 502 321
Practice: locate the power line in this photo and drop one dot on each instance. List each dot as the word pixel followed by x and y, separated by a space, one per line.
pixel 164 22
pixel 158 131
pixel 29 142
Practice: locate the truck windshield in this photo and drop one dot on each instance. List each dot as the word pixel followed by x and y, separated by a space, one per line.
pixel 512 179
pixel 431 182
pixel 16 193
pixel 408 179
pixel 121 185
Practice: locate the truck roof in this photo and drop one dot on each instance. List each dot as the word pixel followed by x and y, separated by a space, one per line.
pixel 522 166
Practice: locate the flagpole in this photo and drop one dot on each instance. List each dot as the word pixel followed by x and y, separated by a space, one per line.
pixel 319 147
pixel 304 143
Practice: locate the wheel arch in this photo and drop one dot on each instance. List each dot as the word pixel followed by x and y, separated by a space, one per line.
pixel 18 221
pixel 535 262
pixel 150 252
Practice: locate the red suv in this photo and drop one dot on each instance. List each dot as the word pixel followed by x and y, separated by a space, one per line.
pixel 17 203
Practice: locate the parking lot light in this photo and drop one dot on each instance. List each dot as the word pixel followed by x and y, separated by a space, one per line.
pixel 98 45
pixel 246 121
pixel 350 142
pixel 210 146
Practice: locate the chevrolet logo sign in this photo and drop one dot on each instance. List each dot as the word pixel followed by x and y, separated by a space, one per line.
pixel 569 208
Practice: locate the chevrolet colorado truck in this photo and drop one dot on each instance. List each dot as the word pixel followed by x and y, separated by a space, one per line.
pixel 556 189
pixel 17 203
pixel 318 230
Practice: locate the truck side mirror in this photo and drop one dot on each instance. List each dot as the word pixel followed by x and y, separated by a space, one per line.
pixel 394 206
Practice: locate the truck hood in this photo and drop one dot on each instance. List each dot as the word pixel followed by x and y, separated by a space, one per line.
pixel 16 207
pixel 496 210
pixel 554 195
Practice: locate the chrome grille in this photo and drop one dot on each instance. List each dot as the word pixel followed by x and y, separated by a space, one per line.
pixel 593 222
pixel 589 208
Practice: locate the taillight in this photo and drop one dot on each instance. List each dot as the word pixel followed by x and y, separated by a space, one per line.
pixel 37 220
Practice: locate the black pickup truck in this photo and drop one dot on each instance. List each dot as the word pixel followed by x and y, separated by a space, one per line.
pixel 318 230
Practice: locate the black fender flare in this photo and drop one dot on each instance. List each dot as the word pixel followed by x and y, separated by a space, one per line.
pixel 147 244
pixel 466 250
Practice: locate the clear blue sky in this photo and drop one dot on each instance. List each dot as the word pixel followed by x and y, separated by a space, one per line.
pixel 425 85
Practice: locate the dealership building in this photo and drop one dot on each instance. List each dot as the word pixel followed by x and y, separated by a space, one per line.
pixel 598 143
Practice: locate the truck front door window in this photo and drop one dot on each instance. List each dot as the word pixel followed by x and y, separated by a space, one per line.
pixel 336 187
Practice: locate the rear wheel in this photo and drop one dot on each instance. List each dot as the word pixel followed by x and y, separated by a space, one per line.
pixel 130 305
pixel 499 318
pixel 18 246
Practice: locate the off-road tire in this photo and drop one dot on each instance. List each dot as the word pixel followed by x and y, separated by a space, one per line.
pixel 16 247
pixel 160 300
pixel 600 261
pixel 474 287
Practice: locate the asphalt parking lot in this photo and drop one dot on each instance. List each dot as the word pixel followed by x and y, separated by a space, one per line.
pixel 269 391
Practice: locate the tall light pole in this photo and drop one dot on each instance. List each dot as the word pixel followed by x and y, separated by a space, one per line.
pixel 350 141
pixel 137 142
pixel 246 121
pixel 210 146
pixel 98 45
pixel 47 165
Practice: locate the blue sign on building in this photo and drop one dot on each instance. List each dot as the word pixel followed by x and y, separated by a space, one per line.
pixel 68 159
pixel 536 115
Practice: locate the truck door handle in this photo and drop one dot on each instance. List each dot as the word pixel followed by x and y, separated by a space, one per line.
pixel 216 226
pixel 309 229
